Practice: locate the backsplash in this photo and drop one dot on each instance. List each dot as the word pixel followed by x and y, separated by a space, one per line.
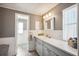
pixel 35 32
pixel 56 34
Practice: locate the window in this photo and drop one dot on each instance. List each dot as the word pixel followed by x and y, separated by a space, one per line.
pixel 20 27
pixel 70 22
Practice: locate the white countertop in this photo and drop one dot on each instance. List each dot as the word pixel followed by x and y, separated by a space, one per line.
pixel 59 44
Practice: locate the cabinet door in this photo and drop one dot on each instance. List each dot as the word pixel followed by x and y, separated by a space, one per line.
pixel 39 47
pixel 45 51
pixel 48 52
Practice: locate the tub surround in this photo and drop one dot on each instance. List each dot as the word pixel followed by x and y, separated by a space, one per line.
pixel 56 34
pixel 12 44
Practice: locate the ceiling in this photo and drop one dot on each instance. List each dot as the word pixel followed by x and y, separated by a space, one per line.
pixel 33 8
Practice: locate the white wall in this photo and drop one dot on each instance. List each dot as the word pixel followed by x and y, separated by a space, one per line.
pixel 11 42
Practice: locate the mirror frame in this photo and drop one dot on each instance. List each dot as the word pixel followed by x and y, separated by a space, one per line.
pixel 52 20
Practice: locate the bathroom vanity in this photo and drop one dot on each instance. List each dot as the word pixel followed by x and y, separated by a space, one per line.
pixel 53 47
pixel 45 46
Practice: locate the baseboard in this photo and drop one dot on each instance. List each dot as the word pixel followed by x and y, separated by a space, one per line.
pixel 34 51
pixel 37 53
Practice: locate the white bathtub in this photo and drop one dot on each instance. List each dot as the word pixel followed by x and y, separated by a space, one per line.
pixel 11 41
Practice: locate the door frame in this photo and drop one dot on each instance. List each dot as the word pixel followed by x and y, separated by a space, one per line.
pixel 16 32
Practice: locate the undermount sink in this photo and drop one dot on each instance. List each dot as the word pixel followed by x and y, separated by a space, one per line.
pixel 41 34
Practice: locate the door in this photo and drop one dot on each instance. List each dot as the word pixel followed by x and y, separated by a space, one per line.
pixel 21 32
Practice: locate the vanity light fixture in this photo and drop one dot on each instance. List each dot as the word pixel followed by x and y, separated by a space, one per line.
pixel 47 15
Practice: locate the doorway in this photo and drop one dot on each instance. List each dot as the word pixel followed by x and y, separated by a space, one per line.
pixel 21 34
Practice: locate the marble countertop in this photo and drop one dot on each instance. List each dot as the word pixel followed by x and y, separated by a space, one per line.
pixel 59 44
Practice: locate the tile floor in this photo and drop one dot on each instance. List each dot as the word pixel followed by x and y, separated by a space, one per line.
pixel 22 50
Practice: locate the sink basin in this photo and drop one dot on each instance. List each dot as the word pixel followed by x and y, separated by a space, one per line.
pixel 47 36
pixel 41 34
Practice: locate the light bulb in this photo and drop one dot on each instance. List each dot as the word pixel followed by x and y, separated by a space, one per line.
pixel 44 17
pixel 49 14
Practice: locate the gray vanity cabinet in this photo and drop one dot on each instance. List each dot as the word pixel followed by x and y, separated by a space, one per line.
pixel 46 49
pixel 53 51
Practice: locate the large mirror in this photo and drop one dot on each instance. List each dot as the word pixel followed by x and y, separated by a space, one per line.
pixel 49 24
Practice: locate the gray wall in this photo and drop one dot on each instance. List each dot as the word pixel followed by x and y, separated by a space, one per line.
pixel 57 11
pixel 32 21
pixel 7 21
pixel 78 31
pixel 0 23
